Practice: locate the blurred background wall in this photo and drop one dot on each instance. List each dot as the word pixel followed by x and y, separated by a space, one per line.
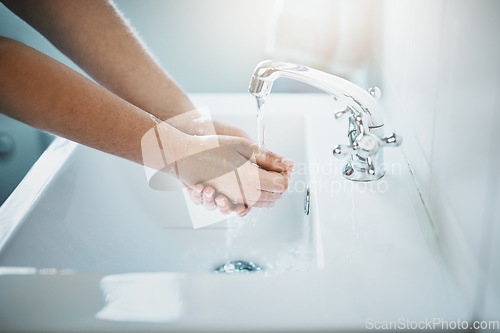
pixel 207 46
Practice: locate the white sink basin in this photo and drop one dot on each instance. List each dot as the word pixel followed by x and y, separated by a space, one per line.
pixel 97 213
pixel 86 245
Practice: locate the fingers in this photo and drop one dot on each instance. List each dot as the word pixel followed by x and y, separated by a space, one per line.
pixel 271 161
pixel 242 210
pixel 270 196
pixel 206 196
pixel 273 181
pixel 264 204
pixel 196 193
pixel 209 198
pixel 225 207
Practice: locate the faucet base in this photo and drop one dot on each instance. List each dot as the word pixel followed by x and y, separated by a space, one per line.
pixel 358 173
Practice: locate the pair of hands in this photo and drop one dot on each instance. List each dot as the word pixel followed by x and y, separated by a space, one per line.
pixel 262 176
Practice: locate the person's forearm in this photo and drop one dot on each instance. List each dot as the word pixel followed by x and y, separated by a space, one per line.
pixel 46 94
pixel 94 35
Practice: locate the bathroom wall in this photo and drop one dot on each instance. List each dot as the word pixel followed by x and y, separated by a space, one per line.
pixel 336 36
pixel 20 147
pixel 207 46
pixel 440 75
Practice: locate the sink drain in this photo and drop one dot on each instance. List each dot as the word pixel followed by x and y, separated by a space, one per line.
pixel 238 266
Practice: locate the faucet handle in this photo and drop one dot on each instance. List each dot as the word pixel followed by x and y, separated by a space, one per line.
pixel 365 151
pixel 343 150
pixel 340 113
pixel 367 145
pixel 375 92
pixel 391 141
pixel 364 146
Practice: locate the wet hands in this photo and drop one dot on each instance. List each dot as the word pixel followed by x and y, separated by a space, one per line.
pixel 232 174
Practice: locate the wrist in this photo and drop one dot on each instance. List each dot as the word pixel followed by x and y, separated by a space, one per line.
pixel 164 144
pixel 193 123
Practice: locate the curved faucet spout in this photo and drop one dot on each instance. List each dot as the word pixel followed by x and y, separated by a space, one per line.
pixel 352 95
pixel 365 131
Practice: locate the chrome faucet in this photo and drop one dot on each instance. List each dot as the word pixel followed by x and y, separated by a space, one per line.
pixel 366 127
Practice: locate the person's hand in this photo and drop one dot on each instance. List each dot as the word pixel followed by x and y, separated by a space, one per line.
pixel 229 130
pixel 260 176
pixel 211 199
pixel 194 123
pixel 204 194
pixel 208 196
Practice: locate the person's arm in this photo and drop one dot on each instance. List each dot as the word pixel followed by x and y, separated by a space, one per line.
pixel 46 94
pixel 96 37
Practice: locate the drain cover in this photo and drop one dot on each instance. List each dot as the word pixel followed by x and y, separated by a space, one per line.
pixel 238 266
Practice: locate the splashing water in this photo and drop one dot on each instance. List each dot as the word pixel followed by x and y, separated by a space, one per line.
pixel 236 227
